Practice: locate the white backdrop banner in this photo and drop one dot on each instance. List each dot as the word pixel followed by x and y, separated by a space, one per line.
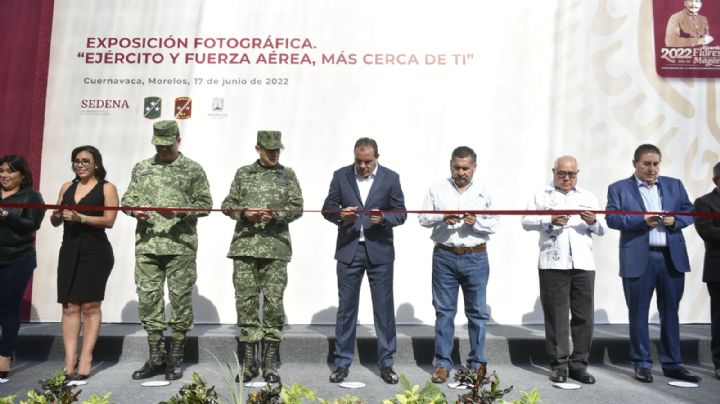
pixel 520 82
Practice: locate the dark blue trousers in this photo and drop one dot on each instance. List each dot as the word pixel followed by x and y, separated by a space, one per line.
pixel 14 278
pixel 350 278
pixel 662 277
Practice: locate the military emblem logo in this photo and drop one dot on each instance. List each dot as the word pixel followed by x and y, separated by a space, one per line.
pixel 183 107
pixel 152 107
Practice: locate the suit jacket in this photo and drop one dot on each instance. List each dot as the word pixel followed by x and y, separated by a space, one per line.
pixel 634 233
pixel 385 194
pixel 709 231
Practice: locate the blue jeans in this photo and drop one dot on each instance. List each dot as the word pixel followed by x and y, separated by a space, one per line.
pixel 470 272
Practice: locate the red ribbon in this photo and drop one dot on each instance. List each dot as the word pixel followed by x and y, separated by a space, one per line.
pixel 437 212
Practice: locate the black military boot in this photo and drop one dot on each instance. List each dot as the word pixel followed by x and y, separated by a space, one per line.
pixel 271 361
pixel 249 362
pixel 175 356
pixel 155 365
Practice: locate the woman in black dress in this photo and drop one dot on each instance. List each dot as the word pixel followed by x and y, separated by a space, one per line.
pixel 17 249
pixel 86 256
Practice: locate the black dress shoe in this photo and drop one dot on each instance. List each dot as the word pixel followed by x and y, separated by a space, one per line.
pixel 558 375
pixel 148 370
pixel 644 375
pixel 388 375
pixel 582 376
pixel 339 374
pixel 681 374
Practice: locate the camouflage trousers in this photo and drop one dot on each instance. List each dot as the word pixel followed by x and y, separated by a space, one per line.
pixel 151 272
pixel 252 277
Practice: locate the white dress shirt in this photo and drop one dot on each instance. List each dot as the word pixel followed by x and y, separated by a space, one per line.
pixel 569 246
pixel 653 203
pixel 364 184
pixel 445 195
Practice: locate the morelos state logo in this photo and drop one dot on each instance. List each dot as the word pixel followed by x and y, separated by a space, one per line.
pixel 183 107
pixel 152 107
pixel 217 108
pixel 218 104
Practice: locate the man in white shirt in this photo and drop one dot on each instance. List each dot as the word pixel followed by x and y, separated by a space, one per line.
pixel 459 258
pixel 567 269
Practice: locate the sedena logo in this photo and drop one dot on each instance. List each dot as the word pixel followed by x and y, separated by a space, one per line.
pixel 104 104
pixel 102 107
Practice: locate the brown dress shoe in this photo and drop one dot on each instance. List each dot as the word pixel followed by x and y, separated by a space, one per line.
pixel 440 375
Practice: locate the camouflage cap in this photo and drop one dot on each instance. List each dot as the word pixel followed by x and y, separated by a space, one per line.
pixel 165 133
pixel 269 139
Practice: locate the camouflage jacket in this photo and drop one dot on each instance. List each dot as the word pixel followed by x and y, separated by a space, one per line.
pixel 181 183
pixel 256 186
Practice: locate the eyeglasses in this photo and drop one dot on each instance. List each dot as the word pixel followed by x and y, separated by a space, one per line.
pixel 82 162
pixel 569 174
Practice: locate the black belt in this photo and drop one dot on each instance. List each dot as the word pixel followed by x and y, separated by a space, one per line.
pixel 659 249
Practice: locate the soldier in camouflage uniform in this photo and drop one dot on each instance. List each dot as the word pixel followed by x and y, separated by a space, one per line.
pixel 166 245
pixel 265 197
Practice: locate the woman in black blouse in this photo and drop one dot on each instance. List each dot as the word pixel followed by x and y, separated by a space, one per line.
pixel 17 249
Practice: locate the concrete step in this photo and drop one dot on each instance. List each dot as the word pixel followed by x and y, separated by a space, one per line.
pixel 518 345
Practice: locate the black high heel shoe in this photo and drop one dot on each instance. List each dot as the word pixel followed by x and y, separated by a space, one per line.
pixel 71 376
pixel 79 376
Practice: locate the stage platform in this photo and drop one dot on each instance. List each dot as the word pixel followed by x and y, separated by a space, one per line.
pixel 517 353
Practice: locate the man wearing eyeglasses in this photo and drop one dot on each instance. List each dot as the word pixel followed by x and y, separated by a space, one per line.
pixel 653 258
pixel 264 198
pixel 687 28
pixel 166 245
pixel 566 269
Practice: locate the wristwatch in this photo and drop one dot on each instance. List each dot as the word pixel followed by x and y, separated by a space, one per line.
pixel 4 214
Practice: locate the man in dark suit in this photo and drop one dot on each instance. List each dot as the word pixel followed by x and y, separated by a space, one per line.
pixel 709 230
pixel 652 257
pixel 365 201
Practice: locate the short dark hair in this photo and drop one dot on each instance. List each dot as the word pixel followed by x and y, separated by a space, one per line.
pixel 716 170
pixel 463 152
pixel 18 163
pixel 645 149
pixel 367 142
pixel 100 172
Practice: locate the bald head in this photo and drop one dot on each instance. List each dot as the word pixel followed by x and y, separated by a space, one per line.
pixel 565 160
pixel 565 173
